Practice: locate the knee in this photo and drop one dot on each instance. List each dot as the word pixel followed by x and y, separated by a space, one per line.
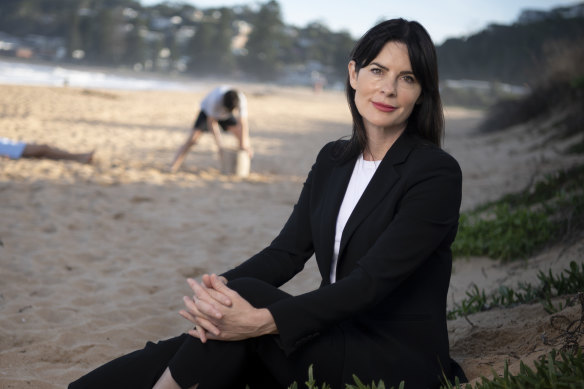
pixel 243 285
pixel 257 292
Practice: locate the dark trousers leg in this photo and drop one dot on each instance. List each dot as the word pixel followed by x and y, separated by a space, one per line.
pixel 217 364
pixel 258 362
pixel 139 369
pixel 142 368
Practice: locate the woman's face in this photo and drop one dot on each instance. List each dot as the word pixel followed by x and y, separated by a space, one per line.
pixel 386 90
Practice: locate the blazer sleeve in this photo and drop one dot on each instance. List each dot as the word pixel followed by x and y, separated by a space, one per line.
pixel 427 214
pixel 287 254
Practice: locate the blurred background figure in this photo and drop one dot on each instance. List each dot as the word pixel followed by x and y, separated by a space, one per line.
pixel 15 150
pixel 224 107
pixel 318 81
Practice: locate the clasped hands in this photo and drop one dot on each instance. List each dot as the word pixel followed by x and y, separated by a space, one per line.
pixel 220 313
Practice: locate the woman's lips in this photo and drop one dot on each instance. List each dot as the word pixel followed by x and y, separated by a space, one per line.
pixel 384 107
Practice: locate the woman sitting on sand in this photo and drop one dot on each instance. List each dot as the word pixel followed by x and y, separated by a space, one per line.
pixel 380 212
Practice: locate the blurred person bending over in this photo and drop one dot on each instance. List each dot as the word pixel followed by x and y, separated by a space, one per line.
pixel 217 109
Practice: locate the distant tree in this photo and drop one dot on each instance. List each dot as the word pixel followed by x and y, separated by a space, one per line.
pixel 316 35
pixel 341 45
pixel 210 48
pixel 8 10
pixel 104 33
pixel 513 54
pixel 318 44
pixel 200 49
pixel 263 59
pixel 222 54
pixel 74 40
pixel 41 17
pixel 135 46
pixel 87 31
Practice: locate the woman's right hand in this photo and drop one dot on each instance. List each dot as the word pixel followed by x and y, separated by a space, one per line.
pixel 204 305
pixel 206 278
pixel 223 314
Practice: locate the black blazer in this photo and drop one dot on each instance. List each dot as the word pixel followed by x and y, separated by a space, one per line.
pixel 393 269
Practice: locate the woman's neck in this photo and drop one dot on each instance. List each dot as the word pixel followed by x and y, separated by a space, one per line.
pixel 378 143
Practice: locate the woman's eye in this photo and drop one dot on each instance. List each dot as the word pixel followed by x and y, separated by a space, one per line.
pixel 409 79
pixel 376 71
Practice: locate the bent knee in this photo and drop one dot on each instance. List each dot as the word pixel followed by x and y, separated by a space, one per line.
pixel 257 292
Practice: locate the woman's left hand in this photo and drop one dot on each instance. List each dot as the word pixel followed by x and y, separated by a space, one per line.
pixel 216 319
pixel 208 302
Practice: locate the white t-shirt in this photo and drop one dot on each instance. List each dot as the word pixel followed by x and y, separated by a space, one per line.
pixel 213 106
pixel 362 174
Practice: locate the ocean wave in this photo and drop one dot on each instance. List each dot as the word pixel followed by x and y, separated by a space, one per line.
pixel 37 74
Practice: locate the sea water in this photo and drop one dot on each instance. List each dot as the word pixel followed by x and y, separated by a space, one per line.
pixel 21 73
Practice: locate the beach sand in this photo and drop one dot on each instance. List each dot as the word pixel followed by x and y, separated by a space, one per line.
pixel 94 257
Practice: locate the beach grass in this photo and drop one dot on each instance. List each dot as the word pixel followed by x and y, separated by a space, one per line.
pixel 519 224
pixel 568 283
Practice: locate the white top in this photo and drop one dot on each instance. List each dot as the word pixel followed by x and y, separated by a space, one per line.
pixel 213 106
pixel 362 173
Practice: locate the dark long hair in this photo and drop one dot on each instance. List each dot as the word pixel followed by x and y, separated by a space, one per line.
pixel 427 118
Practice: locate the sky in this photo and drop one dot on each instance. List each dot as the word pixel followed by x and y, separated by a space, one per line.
pixel 442 18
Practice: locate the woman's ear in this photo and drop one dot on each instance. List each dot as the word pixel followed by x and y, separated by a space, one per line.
pixel 353 74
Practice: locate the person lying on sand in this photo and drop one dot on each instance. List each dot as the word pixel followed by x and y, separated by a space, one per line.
pixel 15 150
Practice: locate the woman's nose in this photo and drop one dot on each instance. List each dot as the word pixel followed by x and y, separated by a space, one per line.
pixel 389 87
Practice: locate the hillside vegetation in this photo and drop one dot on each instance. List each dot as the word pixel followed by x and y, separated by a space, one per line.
pixel 254 43
pixel 516 54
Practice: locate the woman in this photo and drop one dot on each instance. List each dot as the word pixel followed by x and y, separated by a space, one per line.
pixel 379 212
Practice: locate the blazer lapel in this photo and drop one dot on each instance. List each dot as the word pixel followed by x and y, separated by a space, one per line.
pixel 379 186
pixel 335 191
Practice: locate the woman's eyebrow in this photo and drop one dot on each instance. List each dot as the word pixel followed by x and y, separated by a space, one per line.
pixel 386 68
pixel 380 65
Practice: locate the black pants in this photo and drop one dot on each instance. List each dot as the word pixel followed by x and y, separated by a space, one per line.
pixel 257 362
